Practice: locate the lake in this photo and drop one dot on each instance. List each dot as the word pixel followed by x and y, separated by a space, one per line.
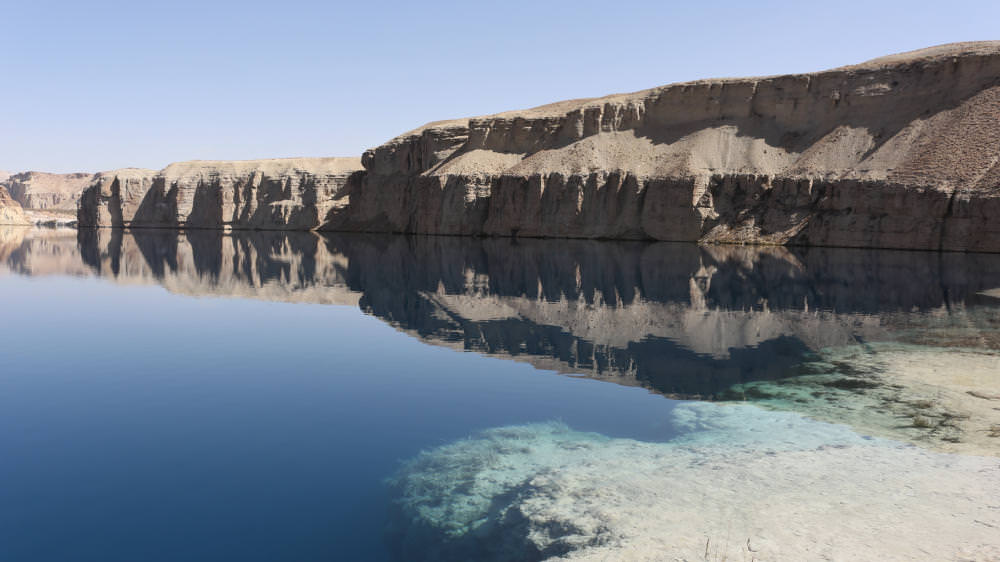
pixel 292 396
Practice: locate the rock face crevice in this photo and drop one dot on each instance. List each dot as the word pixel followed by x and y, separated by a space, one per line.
pixel 898 152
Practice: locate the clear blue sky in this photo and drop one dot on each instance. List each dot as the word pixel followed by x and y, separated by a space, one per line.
pixel 97 85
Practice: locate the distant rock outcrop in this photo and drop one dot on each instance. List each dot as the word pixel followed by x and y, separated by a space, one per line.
pixel 43 191
pixel 292 194
pixel 898 152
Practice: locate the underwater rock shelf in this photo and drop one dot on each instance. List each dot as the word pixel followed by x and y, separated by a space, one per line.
pixel 724 489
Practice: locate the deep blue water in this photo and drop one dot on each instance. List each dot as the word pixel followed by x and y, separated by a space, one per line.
pixel 140 425
pixel 155 404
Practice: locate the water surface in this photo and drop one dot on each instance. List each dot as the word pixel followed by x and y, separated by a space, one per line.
pixel 206 396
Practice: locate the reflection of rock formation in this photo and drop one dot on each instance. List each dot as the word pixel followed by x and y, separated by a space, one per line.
pixel 46 251
pixel 286 267
pixel 11 239
pixel 724 323
pixel 676 318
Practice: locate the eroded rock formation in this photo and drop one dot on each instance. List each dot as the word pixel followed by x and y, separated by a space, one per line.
pixel 48 192
pixel 899 152
pixel 289 194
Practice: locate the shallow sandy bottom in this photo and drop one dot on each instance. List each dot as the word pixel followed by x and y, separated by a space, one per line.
pixel 741 483
pixel 942 398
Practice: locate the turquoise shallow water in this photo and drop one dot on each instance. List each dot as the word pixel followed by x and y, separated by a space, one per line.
pixel 246 397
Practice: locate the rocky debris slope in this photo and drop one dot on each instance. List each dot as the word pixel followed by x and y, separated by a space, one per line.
pixel 48 192
pixel 291 194
pixel 733 483
pixel 899 152
pixel 11 212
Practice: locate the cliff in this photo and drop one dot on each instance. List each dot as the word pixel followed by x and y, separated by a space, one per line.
pixel 898 152
pixel 47 192
pixel 11 212
pixel 290 194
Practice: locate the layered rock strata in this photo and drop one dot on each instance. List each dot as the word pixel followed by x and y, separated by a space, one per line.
pixel 292 194
pixel 899 152
pixel 48 192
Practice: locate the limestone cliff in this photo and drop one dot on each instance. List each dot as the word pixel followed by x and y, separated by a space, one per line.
pixel 899 152
pixel 11 212
pixel 47 192
pixel 291 194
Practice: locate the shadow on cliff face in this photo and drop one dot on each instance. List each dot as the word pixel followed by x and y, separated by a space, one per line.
pixel 678 319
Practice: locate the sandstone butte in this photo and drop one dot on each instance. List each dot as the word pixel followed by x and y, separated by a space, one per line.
pixel 898 152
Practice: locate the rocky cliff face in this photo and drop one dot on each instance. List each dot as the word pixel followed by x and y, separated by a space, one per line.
pixel 900 152
pixel 11 212
pixel 292 194
pixel 47 192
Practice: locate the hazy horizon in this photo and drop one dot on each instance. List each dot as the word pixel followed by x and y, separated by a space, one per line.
pixel 110 85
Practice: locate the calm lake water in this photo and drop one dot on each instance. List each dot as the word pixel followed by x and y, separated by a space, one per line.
pixel 267 396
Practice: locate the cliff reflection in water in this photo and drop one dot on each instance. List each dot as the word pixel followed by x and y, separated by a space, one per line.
pixel 679 319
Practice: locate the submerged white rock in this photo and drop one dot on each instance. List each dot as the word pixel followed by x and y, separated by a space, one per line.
pixel 739 483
